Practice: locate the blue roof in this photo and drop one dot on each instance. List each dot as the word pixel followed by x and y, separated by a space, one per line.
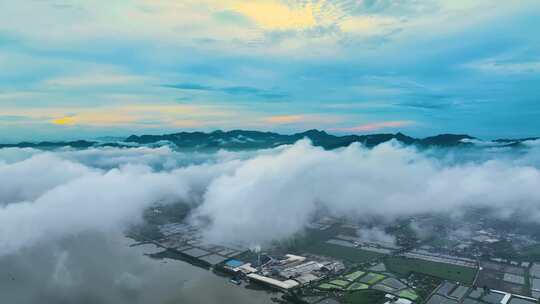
pixel 234 263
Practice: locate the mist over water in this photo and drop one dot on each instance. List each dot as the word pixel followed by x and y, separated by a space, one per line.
pixel 63 213
pixel 101 268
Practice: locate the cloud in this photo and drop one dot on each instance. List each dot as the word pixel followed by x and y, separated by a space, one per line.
pixel 90 190
pixel 493 65
pixel 19 181
pixel 96 79
pixel 97 118
pixel 284 119
pixel 274 15
pixel 66 120
pixel 6 119
pixel 313 120
pixel 253 197
pixel 273 196
pixel 88 202
pixel 376 234
pixel 83 54
pixel 171 115
pixel 370 25
pixel 377 126
pixel 60 273
pixel 63 213
pixel 189 86
pixel 231 90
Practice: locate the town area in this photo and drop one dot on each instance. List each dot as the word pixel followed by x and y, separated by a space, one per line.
pixel 420 259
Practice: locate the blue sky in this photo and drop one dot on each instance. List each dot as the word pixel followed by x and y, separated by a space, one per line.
pixel 80 69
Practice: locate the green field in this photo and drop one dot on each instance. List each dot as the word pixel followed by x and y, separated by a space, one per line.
pixel 354 275
pixel 357 286
pixel 408 294
pixel 345 253
pixel 314 241
pixel 384 288
pixel 531 253
pixel 340 283
pixel 372 278
pixel 368 296
pixel 404 266
pixel 326 286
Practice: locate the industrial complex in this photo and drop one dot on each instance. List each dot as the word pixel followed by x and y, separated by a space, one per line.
pixel 336 263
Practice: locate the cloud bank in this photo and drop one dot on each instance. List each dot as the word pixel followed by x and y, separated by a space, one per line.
pixel 271 197
pixel 252 197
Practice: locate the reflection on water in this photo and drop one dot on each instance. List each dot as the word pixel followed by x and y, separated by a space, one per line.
pixel 103 269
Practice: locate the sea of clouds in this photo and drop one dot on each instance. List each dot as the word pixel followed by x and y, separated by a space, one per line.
pixel 253 196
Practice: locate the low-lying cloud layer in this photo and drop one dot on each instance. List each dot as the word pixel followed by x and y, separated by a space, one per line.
pixel 252 197
pixel 273 196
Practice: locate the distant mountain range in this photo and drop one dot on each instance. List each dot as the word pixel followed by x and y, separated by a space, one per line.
pixel 243 139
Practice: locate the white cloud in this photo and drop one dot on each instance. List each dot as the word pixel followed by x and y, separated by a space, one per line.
pixel 493 65
pixel 273 196
pixel 252 197
pixel 376 234
pixel 187 23
pixel 97 79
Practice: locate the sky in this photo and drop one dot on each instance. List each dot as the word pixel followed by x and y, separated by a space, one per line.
pixel 86 69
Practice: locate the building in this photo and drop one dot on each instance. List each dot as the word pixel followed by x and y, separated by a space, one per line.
pixel 277 284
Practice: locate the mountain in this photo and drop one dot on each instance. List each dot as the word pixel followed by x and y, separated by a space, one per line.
pixel 240 139
pixel 445 140
pixel 244 139
pixel 506 140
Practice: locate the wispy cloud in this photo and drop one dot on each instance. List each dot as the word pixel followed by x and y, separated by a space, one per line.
pixel 276 15
pixel 133 115
pixel 96 79
pixel 230 90
pixel 303 120
pixel 374 126
pixel 493 65
pixel 284 119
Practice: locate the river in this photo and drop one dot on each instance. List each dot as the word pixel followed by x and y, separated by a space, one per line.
pixel 97 268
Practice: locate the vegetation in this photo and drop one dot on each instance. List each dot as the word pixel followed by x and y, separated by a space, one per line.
pixel 163 214
pixel 144 232
pixel 327 286
pixel 357 286
pixel 405 266
pixel 369 296
pixel 372 278
pixel 341 283
pixel 354 275
pixel 408 294
pixel 531 253
pixel 353 255
pixel 425 284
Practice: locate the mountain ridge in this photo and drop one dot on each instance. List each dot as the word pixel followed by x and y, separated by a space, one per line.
pixel 249 139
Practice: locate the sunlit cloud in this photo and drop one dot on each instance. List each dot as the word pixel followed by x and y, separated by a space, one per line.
pixel 368 24
pixel 126 116
pixel 284 119
pixel 376 126
pixel 66 120
pixel 302 119
pixel 277 15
